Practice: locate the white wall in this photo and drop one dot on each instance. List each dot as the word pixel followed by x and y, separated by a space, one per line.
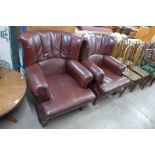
pixel 5 50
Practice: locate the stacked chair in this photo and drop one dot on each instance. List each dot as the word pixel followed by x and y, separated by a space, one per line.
pixel 122 45
pixel 149 63
pixel 127 59
pixel 65 72
pixel 120 48
pixel 124 52
pixel 136 65
pixel 130 31
pixel 133 61
pixel 132 54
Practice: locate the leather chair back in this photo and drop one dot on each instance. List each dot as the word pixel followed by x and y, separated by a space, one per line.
pixel 95 29
pixel 39 46
pixel 97 44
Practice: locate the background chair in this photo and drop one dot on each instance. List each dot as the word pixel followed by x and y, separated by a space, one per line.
pixel 127 59
pixel 149 63
pixel 135 66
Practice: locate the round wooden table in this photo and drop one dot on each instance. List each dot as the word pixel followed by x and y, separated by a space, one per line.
pixel 12 90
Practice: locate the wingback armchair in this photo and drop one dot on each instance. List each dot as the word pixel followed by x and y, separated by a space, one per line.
pixel 107 71
pixel 55 77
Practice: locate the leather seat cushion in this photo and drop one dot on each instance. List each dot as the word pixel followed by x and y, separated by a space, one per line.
pixel 112 82
pixel 66 93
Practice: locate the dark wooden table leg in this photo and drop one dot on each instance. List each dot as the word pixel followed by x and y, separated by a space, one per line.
pixel 11 118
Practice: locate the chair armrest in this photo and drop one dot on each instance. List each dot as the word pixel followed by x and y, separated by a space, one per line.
pixel 97 72
pixel 79 73
pixel 114 65
pixel 37 82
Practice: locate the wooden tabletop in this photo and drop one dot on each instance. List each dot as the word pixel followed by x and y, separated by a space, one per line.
pixel 12 90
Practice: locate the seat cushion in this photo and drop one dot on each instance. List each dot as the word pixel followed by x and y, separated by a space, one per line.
pixel 153 74
pixel 152 65
pixel 150 68
pixel 67 95
pixel 112 82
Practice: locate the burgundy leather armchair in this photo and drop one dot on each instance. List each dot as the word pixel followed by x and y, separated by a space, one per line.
pixel 96 54
pixel 55 77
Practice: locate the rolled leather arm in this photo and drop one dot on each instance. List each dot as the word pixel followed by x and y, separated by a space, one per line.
pixel 114 65
pixel 37 82
pixel 81 74
pixel 97 72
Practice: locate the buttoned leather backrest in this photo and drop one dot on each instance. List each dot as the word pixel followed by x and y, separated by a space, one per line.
pixel 42 45
pixel 97 44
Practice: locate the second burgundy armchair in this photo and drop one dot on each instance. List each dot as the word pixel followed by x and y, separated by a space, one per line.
pixel 56 78
pixel 107 71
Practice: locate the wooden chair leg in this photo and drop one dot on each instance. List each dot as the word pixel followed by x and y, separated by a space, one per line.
pixel 122 92
pixel 145 82
pixel 131 87
pixel 141 81
pixel 152 81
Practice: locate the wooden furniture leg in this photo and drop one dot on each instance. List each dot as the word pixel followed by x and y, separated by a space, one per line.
pixel 152 81
pixel 81 108
pixel 122 92
pixel 133 85
pixel 145 82
pixel 94 102
pixel 142 81
pixel 114 93
pixel 11 118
